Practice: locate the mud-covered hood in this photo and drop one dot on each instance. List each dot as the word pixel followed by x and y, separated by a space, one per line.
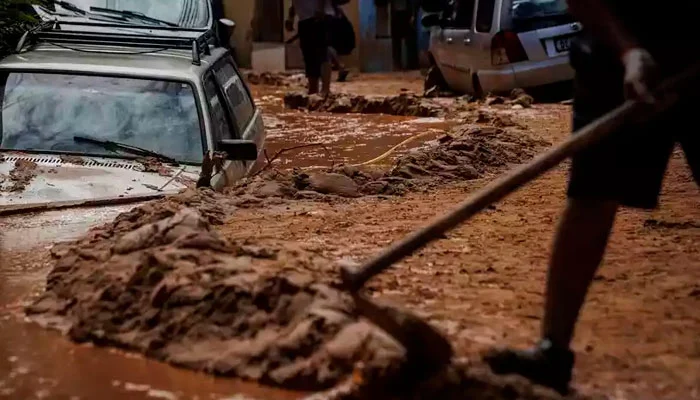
pixel 49 181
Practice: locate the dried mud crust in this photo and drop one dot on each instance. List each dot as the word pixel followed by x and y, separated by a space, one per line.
pixel 21 175
pixel 465 154
pixel 403 104
pixel 161 281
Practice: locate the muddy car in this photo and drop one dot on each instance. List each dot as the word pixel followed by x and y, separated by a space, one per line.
pixel 103 106
pixel 481 46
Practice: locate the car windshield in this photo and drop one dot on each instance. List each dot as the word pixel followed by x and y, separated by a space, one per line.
pixel 528 9
pixel 45 112
pixel 185 13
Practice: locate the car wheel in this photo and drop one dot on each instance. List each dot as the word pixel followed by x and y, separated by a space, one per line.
pixel 478 90
pixel 434 78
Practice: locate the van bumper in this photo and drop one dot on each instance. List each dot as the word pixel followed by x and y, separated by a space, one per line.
pixel 526 74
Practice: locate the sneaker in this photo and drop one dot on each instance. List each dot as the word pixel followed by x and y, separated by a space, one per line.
pixel 544 364
pixel 343 75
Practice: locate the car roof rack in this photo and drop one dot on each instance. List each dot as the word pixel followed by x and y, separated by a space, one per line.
pixel 51 32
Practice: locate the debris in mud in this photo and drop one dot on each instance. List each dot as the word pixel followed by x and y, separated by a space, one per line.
pixel 152 164
pixel 497 120
pixel 76 160
pixel 274 78
pixel 21 175
pixel 402 104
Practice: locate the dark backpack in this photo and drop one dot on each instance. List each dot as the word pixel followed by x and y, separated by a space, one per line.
pixel 342 35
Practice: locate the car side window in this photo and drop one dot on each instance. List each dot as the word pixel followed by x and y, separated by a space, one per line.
pixel 484 15
pixel 236 94
pixel 217 110
pixel 464 13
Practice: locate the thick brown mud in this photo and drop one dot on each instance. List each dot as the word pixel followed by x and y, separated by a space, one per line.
pixel 467 153
pixel 21 175
pixel 402 104
pixel 161 281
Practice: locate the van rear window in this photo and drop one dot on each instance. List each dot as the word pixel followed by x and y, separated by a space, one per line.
pixel 484 15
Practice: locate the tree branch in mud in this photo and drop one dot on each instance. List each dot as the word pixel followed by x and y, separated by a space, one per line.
pixel 280 152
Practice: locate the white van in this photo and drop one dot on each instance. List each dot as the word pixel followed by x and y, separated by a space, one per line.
pixel 481 46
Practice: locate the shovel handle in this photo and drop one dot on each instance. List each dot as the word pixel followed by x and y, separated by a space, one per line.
pixel 668 91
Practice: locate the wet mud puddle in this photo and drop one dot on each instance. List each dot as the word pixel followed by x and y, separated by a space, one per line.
pixel 36 363
pixel 341 138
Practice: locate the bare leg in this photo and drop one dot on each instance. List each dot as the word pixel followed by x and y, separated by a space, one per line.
pixel 579 247
pixel 325 78
pixel 313 86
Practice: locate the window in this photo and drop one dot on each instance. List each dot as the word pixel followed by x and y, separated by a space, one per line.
pixel 185 13
pixel 484 15
pixel 236 94
pixel 464 13
pixel 217 110
pixel 45 111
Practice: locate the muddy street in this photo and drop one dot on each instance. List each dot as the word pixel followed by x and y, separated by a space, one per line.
pixel 245 286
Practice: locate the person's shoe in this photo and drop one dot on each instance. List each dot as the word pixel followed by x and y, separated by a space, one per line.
pixel 544 364
pixel 343 75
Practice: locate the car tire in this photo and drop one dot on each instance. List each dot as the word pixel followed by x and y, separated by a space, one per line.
pixel 434 78
pixel 478 90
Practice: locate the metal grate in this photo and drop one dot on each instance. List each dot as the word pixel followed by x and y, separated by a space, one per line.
pixel 56 161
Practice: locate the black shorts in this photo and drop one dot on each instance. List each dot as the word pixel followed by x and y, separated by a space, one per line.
pixel 629 166
pixel 313 39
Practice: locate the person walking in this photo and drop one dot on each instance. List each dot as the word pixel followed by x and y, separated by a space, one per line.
pixel 342 41
pixel 313 29
pixel 617 57
pixel 403 30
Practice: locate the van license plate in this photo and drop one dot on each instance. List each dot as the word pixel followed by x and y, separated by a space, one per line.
pixel 562 44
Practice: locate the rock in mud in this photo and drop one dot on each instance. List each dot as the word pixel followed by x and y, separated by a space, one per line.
pixel 328 183
pixel 402 104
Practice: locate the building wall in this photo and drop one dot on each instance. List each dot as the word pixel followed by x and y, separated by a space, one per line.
pixel 242 13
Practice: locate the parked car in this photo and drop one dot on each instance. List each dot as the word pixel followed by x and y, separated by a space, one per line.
pixel 481 46
pixel 111 105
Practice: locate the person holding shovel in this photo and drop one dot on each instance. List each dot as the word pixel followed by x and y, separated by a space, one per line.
pixel 618 56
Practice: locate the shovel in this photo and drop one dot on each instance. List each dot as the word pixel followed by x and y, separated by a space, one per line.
pixel 426 349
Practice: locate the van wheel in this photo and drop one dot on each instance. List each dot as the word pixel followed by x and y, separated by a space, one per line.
pixel 478 90
pixel 434 78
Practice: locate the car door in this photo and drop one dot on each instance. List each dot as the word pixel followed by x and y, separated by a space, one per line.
pixel 455 47
pixel 233 114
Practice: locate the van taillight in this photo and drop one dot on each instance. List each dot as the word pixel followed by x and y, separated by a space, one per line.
pixel 506 48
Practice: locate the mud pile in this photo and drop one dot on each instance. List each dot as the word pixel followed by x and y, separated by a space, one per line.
pixel 331 184
pixel 403 104
pixel 162 282
pixel 274 79
pixel 467 153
